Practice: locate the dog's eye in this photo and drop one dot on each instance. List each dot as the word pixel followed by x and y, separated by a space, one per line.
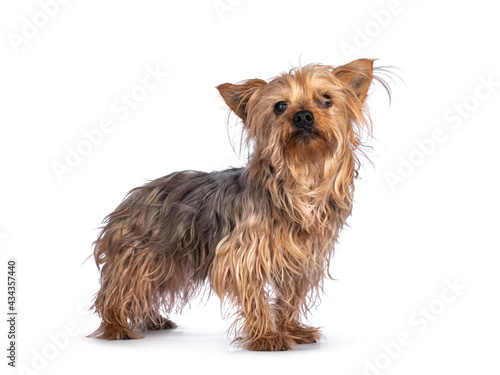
pixel 325 101
pixel 280 107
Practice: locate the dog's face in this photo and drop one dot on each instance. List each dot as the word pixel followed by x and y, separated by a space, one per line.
pixel 304 118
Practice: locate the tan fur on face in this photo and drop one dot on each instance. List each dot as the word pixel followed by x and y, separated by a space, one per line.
pixel 260 237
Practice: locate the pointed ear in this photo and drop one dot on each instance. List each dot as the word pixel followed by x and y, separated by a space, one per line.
pixel 358 74
pixel 237 96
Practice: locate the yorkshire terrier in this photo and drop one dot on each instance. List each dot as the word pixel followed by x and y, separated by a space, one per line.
pixel 260 237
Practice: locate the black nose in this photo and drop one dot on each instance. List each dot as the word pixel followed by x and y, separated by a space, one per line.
pixel 303 119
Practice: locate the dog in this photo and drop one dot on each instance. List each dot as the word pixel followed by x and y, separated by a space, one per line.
pixel 260 237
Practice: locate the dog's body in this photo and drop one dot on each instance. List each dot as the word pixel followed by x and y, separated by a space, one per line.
pixel 262 236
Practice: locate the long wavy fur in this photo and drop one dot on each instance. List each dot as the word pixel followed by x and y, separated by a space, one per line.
pixel 260 237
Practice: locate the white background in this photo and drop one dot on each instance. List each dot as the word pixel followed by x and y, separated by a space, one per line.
pixel 405 245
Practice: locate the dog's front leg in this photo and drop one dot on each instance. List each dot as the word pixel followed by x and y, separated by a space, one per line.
pixel 291 303
pixel 240 275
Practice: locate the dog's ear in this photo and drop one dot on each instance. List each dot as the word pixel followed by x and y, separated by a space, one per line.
pixel 237 96
pixel 358 75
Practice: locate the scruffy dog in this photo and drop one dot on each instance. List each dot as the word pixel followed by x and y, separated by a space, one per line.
pixel 260 237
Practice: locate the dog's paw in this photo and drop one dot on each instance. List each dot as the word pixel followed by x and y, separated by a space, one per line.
pixel 160 323
pixel 303 334
pixel 272 343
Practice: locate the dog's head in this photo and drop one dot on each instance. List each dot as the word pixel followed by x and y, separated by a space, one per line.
pixel 307 123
